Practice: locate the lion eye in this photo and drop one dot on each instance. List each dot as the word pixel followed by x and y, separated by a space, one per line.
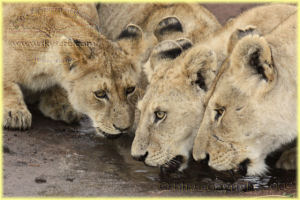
pixel 219 113
pixel 159 115
pixel 101 94
pixel 130 90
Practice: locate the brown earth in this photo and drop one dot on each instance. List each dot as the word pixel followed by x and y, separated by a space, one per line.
pixel 55 159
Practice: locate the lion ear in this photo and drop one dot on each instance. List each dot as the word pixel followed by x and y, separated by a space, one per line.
pixel 253 54
pixel 166 27
pixel 74 51
pixel 200 65
pixel 184 43
pixel 131 32
pixel 131 39
pixel 239 34
pixel 169 50
pixel 161 53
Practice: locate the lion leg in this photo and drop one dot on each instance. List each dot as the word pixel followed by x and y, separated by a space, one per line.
pixel 16 114
pixel 54 104
pixel 288 159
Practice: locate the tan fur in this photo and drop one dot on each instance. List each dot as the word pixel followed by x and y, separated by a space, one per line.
pixel 115 17
pixel 64 68
pixel 173 89
pixel 259 108
pixel 54 103
pixel 89 12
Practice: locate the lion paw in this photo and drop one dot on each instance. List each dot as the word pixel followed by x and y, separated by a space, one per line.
pixel 59 112
pixel 288 160
pixel 17 118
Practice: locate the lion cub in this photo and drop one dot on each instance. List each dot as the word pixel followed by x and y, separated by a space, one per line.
pixel 54 50
pixel 253 107
pixel 137 28
pixel 175 100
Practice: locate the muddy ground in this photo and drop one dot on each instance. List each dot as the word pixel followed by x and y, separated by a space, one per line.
pixel 56 159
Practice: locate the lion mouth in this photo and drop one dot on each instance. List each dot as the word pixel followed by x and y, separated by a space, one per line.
pixel 172 165
pixel 108 135
pixel 243 167
pixel 240 170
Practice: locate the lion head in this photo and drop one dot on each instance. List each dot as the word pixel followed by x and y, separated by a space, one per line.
pixel 252 110
pixel 172 106
pixel 102 83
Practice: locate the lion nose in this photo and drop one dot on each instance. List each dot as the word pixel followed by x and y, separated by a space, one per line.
pixel 121 129
pixel 243 167
pixel 141 157
pixel 205 160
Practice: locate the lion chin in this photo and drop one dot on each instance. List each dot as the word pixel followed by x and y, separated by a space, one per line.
pixel 107 135
pixel 176 164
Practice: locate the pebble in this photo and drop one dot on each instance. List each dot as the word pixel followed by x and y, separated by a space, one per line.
pixel 40 180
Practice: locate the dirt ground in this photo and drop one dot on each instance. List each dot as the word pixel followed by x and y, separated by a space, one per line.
pixel 55 159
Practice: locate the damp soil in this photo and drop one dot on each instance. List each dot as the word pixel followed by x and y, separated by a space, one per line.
pixel 56 159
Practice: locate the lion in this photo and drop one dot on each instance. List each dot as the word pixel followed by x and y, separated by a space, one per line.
pixel 51 49
pixel 253 107
pixel 174 102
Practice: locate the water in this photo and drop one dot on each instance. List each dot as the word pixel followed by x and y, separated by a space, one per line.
pixel 72 161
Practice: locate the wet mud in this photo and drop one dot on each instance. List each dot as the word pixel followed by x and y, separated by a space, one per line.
pixel 56 159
